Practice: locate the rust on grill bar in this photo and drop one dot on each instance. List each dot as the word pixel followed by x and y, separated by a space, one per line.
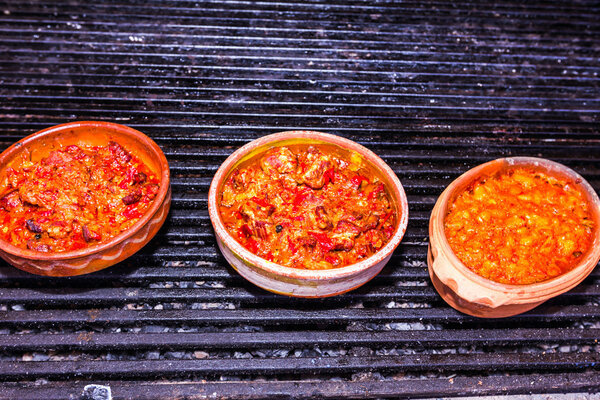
pixel 434 88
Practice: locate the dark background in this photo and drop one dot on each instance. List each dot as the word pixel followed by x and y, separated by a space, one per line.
pixel 434 88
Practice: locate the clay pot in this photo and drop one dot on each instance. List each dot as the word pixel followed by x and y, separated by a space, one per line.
pixel 300 282
pixel 105 254
pixel 475 295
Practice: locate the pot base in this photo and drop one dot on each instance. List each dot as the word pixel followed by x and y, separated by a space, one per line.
pixel 470 308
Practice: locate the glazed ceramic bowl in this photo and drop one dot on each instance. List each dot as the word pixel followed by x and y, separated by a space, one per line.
pixel 475 295
pixel 105 254
pixel 300 282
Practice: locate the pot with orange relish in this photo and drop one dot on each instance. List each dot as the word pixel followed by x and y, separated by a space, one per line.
pixel 306 213
pixel 512 233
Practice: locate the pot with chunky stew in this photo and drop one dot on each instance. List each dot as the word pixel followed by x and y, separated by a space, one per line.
pixel 305 207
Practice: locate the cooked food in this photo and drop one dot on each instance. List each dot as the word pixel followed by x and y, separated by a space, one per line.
pixel 520 226
pixel 74 198
pixel 308 206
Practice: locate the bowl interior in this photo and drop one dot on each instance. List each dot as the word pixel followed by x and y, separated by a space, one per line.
pixel 248 152
pixel 40 144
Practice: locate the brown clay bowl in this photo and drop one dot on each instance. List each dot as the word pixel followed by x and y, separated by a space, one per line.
pixel 118 248
pixel 475 295
pixel 300 282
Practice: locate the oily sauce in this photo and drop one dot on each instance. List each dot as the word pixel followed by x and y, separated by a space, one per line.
pixel 308 206
pixel 74 198
pixel 520 226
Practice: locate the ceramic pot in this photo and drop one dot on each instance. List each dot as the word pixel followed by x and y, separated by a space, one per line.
pixel 475 295
pixel 105 254
pixel 302 282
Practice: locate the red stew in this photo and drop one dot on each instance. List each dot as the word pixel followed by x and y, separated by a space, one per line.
pixel 520 226
pixel 308 206
pixel 74 198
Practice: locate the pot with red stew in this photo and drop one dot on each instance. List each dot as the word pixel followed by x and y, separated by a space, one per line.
pixel 308 206
pixel 75 197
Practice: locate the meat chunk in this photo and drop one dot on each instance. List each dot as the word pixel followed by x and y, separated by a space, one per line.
pixel 11 201
pixel 313 165
pixel 308 241
pixel 342 243
pixel 33 226
pixel 322 219
pixel 75 151
pixel 240 179
pixel 57 158
pixel 259 229
pixel 279 161
pixel 34 245
pixel 132 198
pixel 347 227
pixel 228 196
pixel 375 240
pixel 139 178
pixel 90 235
pixel 32 194
pixel 371 223
pixel 122 155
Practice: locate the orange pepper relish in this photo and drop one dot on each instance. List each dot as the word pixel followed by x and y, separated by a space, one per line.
pixel 520 226
pixel 308 207
pixel 74 198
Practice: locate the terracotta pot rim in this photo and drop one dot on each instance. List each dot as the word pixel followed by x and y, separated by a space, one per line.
pixel 295 273
pixel 525 293
pixel 119 129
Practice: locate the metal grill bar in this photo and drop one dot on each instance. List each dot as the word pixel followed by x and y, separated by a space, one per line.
pixel 276 316
pixel 549 383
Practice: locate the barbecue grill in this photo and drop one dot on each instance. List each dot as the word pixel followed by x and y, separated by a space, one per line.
pixel 432 87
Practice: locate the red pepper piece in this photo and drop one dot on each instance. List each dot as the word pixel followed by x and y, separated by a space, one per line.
pixel 261 202
pixel 324 241
pixel 299 198
pixel 291 246
pixel 132 212
pixel 245 231
pixel 252 245
pixel 358 179
pixel 329 176
pixel 378 189
pixel 129 177
pixel 333 260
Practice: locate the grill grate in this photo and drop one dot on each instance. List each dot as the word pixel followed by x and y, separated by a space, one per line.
pixel 434 88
